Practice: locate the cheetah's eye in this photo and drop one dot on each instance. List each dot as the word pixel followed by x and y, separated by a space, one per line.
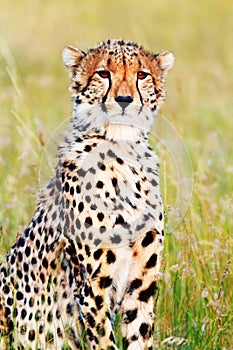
pixel 142 75
pixel 105 74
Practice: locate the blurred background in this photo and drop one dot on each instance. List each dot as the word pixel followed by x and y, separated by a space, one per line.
pixel 196 285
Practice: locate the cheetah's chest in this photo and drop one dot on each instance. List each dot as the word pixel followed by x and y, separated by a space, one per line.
pixel 116 196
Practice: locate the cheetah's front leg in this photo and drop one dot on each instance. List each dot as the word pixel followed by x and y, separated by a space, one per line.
pixel 138 302
pixel 95 306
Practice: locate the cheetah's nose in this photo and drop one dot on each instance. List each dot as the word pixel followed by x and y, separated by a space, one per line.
pixel 124 101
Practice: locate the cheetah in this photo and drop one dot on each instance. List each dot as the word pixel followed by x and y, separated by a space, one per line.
pixel 93 247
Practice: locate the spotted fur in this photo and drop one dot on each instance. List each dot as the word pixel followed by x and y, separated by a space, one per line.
pixel 93 246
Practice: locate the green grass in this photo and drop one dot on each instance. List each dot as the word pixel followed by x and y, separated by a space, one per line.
pixel 195 296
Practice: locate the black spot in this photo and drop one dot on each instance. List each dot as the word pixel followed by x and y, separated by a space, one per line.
pixel 21 242
pixel 135 284
pixel 11 328
pixel 12 259
pixel 138 186
pixel 23 314
pixel 100 216
pixel 20 256
pixel 67 186
pixel 102 155
pixel 10 301
pixel 152 261
pixel 50 317
pixel 33 276
pixel 32 236
pixel 71 166
pixel 111 337
pixel 111 153
pixel 19 295
pixel 97 254
pixel 41 329
pixel 4 271
pixel 28 251
pixel 80 207
pixel 100 184
pixel 97 241
pixel 88 199
pixel 101 166
pixel 144 330
pixel 88 222
pixel 111 258
pixel 42 277
pixel 6 289
pixel 115 239
pixel 31 302
pixel 102 229
pixel 81 172
pixel 31 335
pixel 89 269
pixel 120 220
pixel 105 282
pixel 161 216
pixel 154 183
pixel 75 260
pixel 27 288
pixel 92 170
pixel 78 225
pixel 26 232
pixel 148 239
pixel 90 320
pixel 19 274
pixel 37 315
pixel 131 315
pixel 87 250
pixel 37 244
pixel 7 312
pixel 135 338
pixel 78 189
pixel 58 314
pixel 53 264
pixel 71 190
pixel 33 261
pixel 45 263
pixel 88 186
pixel 145 294
pixel 114 181
pixel 26 278
pixel 119 160
pixel 87 148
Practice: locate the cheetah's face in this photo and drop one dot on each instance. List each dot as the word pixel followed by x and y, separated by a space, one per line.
pixel 118 73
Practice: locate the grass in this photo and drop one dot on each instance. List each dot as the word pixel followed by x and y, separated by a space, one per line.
pixel 195 297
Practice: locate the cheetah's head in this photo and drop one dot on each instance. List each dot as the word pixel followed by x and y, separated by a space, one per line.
pixel 119 76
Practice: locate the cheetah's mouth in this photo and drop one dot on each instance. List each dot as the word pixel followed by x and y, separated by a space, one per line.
pixel 124 109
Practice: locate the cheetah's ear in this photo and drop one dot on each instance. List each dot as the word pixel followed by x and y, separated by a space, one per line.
pixel 165 60
pixel 71 56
